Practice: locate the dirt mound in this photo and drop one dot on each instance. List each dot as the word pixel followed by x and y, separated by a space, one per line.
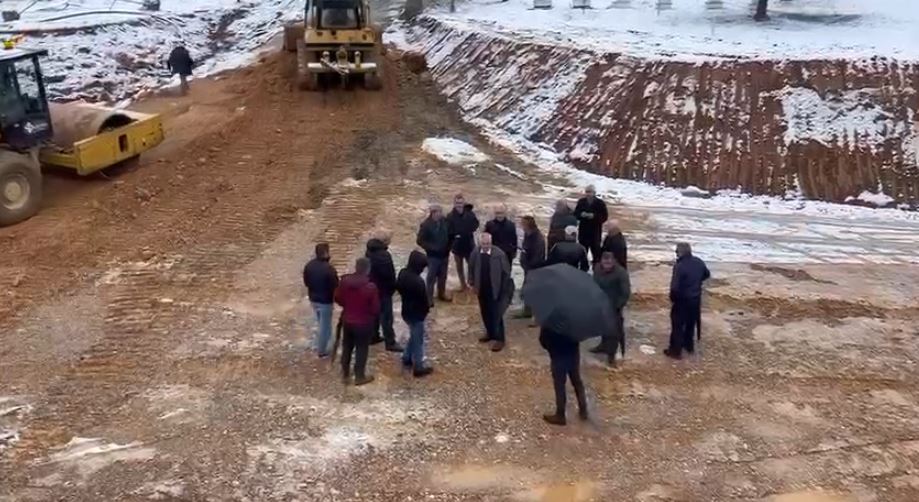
pixel 839 131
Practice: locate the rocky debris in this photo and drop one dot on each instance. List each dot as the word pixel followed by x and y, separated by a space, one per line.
pixel 414 62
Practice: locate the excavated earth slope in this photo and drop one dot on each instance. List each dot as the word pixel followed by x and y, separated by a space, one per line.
pixel 827 130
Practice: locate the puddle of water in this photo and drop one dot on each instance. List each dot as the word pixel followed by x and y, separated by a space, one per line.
pixel 519 483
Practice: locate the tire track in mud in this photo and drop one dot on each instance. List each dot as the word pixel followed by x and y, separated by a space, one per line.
pixel 269 166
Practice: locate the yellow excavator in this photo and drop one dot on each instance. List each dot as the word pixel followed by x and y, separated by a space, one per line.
pixel 76 136
pixel 336 40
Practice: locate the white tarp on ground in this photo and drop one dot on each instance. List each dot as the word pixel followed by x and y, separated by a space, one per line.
pixel 113 56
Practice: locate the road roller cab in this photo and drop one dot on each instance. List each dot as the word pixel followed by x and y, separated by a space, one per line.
pixel 336 41
pixel 77 136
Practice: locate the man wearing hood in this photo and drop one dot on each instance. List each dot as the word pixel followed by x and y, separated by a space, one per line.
pixel 434 238
pixel 181 64
pixel 321 279
pixel 415 309
pixel 383 275
pixel 615 243
pixel 613 279
pixel 562 218
pixel 462 223
pixel 492 282
pixel 592 214
pixel 503 233
pixel 360 303
pixel 689 274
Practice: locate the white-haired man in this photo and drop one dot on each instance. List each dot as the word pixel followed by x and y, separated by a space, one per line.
pixel 569 251
pixel 490 273
pixel 434 238
pixel 591 214
pixel 503 233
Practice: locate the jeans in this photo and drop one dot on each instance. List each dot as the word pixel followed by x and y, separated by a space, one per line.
pixel 492 318
pixel 414 350
pixel 385 320
pixel 462 263
pixel 323 313
pixel 567 366
pixel 355 339
pixel 437 270
pixel 685 315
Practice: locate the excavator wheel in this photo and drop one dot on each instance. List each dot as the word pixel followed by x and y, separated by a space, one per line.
pixel 20 187
pixel 373 81
pixel 293 33
pixel 306 80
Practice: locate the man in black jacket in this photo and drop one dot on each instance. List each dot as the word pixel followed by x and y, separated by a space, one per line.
pixel 565 361
pixel 503 233
pixel 463 224
pixel 689 273
pixel 383 274
pixel 321 279
pixel 615 243
pixel 591 213
pixel 434 238
pixel 561 219
pixel 569 251
pixel 532 253
pixel 415 309
pixel 180 63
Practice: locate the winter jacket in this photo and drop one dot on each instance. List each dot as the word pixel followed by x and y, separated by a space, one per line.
pixel 411 288
pixel 504 236
pixel 560 220
pixel 569 252
pixel 434 238
pixel 382 270
pixel 180 62
pixel 689 273
pixel 359 300
pixel 616 245
pixel 502 286
pixel 462 227
pixel 615 284
pixel 320 279
pixel 590 228
pixel 557 344
pixel 533 251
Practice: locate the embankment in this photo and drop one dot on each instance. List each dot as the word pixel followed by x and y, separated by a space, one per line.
pixel 827 130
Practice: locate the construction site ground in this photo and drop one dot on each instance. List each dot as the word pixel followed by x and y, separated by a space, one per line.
pixel 154 338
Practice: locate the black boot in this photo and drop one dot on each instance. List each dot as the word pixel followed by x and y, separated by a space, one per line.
pixel 555 419
pixel 423 372
pixel 394 347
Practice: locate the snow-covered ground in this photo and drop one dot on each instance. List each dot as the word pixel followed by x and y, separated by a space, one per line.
pixel 112 50
pixel 693 30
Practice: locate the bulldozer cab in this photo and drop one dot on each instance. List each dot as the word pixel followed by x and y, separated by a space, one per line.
pixel 335 14
pixel 25 121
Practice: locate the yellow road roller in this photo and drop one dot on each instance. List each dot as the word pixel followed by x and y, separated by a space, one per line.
pixel 77 136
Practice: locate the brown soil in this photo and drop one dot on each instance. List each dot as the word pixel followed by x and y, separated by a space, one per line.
pixel 159 317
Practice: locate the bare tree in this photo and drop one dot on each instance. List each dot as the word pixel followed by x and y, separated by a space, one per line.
pixel 762 6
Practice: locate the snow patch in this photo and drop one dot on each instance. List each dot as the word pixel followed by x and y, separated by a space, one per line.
pixel 86 456
pixel 879 199
pixel 454 152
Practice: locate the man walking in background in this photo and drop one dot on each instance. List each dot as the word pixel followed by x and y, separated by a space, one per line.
pixel 491 280
pixel 562 218
pixel 415 309
pixel 462 223
pixel 689 272
pixel 615 243
pixel 565 363
pixel 591 213
pixel 383 276
pixel 180 63
pixel 360 303
pixel 569 251
pixel 613 279
pixel 503 233
pixel 434 238
pixel 321 279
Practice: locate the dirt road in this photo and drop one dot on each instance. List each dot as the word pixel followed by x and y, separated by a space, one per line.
pixel 154 342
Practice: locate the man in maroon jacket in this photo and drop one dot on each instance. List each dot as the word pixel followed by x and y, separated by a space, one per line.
pixel 360 303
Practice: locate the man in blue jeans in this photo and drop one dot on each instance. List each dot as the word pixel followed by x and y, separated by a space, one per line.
pixel 383 275
pixel 415 307
pixel 321 279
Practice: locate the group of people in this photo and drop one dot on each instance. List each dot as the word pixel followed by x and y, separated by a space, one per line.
pixel 575 237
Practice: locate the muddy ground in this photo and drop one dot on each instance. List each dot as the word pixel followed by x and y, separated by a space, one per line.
pixel 154 341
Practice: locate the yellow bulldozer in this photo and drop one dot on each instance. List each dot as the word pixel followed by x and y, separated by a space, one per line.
pixel 75 136
pixel 336 41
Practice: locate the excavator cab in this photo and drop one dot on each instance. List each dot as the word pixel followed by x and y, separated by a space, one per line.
pixel 25 119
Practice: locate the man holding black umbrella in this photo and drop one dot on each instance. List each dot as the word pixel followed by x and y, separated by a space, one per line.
pixel 565 362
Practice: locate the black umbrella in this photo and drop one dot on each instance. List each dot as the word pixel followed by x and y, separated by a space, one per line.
pixel 568 301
